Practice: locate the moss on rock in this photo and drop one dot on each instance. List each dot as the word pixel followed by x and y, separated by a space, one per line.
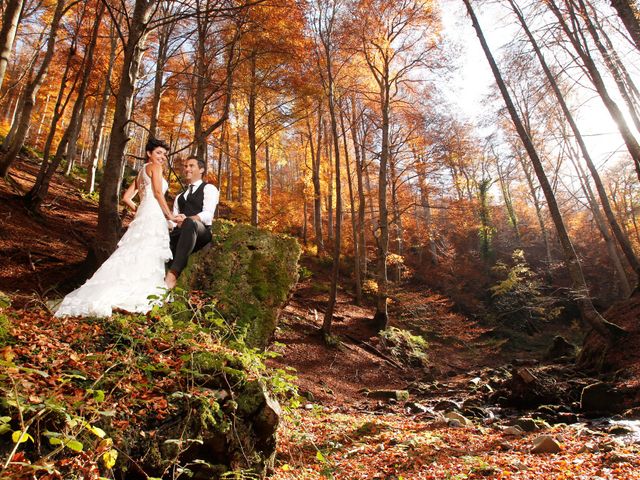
pixel 250 271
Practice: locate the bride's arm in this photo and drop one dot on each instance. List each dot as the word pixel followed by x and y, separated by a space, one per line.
pixel 156 185
pixel 131 192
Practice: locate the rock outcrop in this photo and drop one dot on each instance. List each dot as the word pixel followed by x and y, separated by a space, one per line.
pixel 250 272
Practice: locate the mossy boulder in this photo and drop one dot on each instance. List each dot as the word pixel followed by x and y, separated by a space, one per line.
pixel 250 272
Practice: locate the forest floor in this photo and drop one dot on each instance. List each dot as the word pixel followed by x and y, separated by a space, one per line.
pixel 341 430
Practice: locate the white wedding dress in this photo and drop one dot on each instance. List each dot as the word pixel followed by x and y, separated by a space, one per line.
pixel 134 271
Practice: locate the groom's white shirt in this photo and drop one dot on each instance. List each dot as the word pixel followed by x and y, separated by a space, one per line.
pixel 209 203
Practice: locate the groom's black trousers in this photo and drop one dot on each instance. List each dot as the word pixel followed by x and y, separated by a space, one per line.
pixel 189 238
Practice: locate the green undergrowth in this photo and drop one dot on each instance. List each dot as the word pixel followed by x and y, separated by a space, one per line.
pixel 127 395
pixel 405 347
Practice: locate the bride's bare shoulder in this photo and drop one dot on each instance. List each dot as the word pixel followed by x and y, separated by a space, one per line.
pixel 154 169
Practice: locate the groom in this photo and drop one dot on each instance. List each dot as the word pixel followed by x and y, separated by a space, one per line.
pixel 194 209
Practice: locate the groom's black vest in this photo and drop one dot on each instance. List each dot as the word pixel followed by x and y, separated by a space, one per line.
pixel 193 204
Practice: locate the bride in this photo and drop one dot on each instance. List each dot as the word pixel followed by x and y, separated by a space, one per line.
pixel 136 269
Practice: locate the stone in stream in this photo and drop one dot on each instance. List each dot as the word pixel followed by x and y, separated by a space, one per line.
pixel 619 430
pixel 475 412
pixel 414 407
pixel 545 444
pixel 475 382
pixel 556 414
pixel 599 398
pixel 632 413
pixel 560 348
pixel 513 431
pixel 389 395
pixel 527 424
pixel 446 405
pixel 454 417
pixel 588 447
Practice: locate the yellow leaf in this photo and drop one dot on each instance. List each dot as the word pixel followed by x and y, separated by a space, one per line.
pixel 74 445
pixel 96 431
pixel 20 437
pixel 109 458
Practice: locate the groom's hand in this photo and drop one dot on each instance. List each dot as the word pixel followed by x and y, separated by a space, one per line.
pixel 180 218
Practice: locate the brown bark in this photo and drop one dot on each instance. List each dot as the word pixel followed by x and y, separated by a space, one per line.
pixel 357 275
pixel 621 238
pixel 315 178
pixel 598 82
pixel 10 19
pixel 40 189
pixel 590 314
pixel 628 13
pixel 251 132
pixel 109 224
pixel 359 167
pixel 98 135
pixel 164 35
pixel 267 170
pixel 22 123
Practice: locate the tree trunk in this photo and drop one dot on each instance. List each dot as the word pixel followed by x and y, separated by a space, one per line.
pixel 305 221
pixel 357 275
pixel 221 150
pixel 329 189
pixel 240 170
pixel 251 131
pixel 590 314
pixel 426 205
pixel 10 20
pixel 109 224
pixel 39 190
pixel 43 118
pixel 98 136
pixel 267 169
pixel 599 84
pixel 58 112
pixel 158 84
pixel 30 96
pixel 615 68
pixel 335 270
pixel 359 159
pixel 381 317
pixel 396 219
pixel 628 13
pixel 315 178
pixel 601 223
pixel 622 239
pixel 229 193
pixel 508 201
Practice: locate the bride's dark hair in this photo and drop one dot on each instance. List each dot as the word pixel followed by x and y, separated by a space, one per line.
pixel 154 143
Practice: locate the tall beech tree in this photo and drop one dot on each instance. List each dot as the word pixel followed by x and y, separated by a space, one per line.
pixel 138 23
pixel 621 238
pixel 628 13
pixel 100 120
pixel 38 192
pixel 20 126
pixel 396 37
pixel 581 292
pixel 326 18
pixel 10 19
pixel 575 37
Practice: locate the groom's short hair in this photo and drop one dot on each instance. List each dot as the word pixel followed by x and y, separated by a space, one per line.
pixel 154 143
pixel 200 162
